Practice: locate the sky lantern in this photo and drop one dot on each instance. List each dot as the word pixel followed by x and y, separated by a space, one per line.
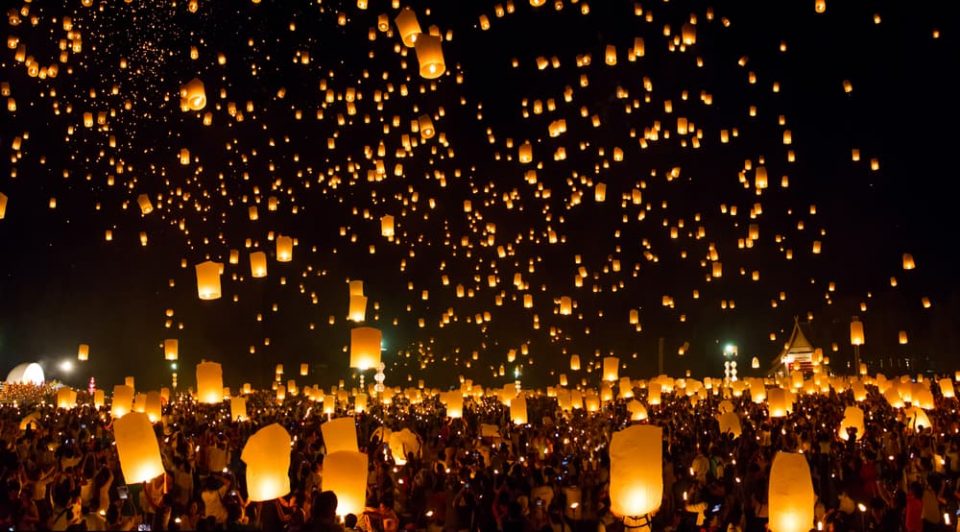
pixel 820 6
pixel 83 352
pixel 365 348
pixel 946 388
pixel 208 280
pixel 408 27
pixel 902 337
pixel 153 407
pixel 193 95
pixel 339 434
pixel 3 205
pixel 425 125
pixel 304 369
pixel 518 409
pixel 171 349
pixel 146 207
pixel 138 448
pixel 258 264
pixel 430 55
pixel 574 362
pixel 525 153
pixel 688 33
pixel 636 471
pixel 402 443
pixel 790 494
pixel 267 457
pixel 345 473
pixel 98 399
pixel 356 288
pixel 638 412
pixel 453 401
pixel 777 402
pixel 916 419
pixel 852 418
pixel 387 226
pixel 209 383
pixel 358 308
pixel 66 398
pixel 729 423
pixel 908 263
pixel 122 401
pixel 611 369
pixel 284 249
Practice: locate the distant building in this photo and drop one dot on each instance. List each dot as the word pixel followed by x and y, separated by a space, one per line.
pixel 797 354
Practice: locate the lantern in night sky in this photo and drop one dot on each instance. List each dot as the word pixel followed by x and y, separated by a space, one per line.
pixel 611 368
pixel 430 55
pixel 408 27
pixel 193 95
pixel 284 249
pixel 83 352
pixel 122 401
pixel 209 382
pixel 208 280
pixel 365 348
pixel 171 349
pixel 258 264
pixel 358 308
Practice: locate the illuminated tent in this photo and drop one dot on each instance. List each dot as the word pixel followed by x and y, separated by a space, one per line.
pixel 26 373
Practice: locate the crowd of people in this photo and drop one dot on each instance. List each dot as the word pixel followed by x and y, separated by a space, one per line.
pixel 60 471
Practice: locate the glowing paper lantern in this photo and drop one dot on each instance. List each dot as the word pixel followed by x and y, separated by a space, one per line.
pixel 284 249
pixel 171 349
pixel 908 263
pixel 122 401
pixel 3 205
pixel 153 407
pixel 137 447
pixel 356 288
pixel 339 434
pixel 402 443
pixel 638 412
pixel 856 332
pixel 365 348
pixel 345 473
pixel 790 496
pixel 454 403
pixel 66 398
pixel 729 423
pixel 208 280
pixel 267 456
pixel 83 352
pixel 304 369
pixel 946 388
pixel 358 308
pixel 777 402
pixel 636 471
pixel 408 27
pixel 755 363
pixel 209 382
pixel 98 399
pixel 575 363
pixel 611 368
pixel 258 264
pixel 193 96
pixel 387 225
pixel 238 408
pixel 852 418
pixel 518 410
pixel 916 419
pixel 144 202
pixel 430 55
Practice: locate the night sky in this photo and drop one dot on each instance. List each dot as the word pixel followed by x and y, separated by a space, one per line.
pixel 872 76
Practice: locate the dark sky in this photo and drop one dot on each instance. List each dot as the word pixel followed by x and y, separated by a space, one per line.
pixel 62 283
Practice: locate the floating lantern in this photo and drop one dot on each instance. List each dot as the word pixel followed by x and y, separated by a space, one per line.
pixel 387 226
pixel 3 205
pixel 575 363
pixel 408 27
pixel 339 434
pixel 208 280
pixel 258 264
pixel 145 206
pixel 729 423
pixel 518 410
pixel 284 249
pixel 193 95
pixel 611 369
pixel 83 352
pixel 171 349
pixel 791 499
pixel 209 382
pixel 137 448
pixel 402 443
pixel 358 308
pixel 98 399
pixel 267 457
pixel 636 471
pixel 365 348
pixel 430 55
pixel 66 398
pixel 345 474
pixel 356 288
pixel 153 406
pixel 852 418
pixel 122 401
pixel 777 402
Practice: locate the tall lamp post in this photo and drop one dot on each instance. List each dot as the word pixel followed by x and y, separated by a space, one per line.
pixel 856 339
pixel 729 362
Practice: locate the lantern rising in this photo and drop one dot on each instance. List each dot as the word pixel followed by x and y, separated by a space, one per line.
pixel 430 55
pixel 208 280
pixel 209 382
pixel 345 473
pixel 365 348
